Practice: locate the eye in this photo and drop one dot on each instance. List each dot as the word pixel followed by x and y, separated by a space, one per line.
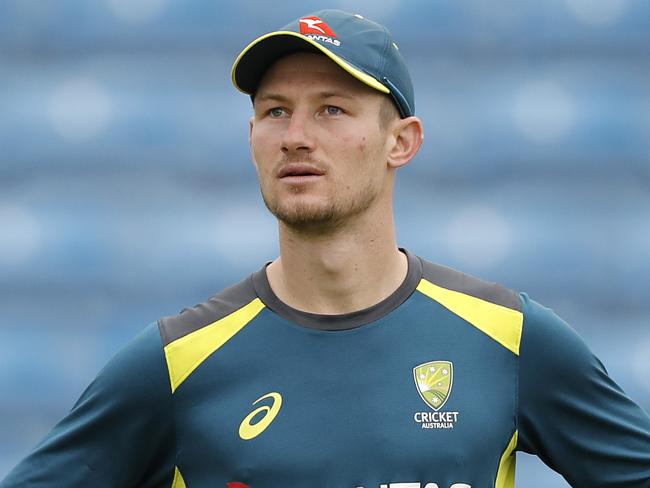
pixel 333 110
pixel 276 112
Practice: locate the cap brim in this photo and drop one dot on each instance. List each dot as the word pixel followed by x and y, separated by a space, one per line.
pixel 259 55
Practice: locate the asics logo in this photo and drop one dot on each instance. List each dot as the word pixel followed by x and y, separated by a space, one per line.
pixel 249 430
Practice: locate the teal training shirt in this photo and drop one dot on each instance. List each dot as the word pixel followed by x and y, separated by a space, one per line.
pixel 437 386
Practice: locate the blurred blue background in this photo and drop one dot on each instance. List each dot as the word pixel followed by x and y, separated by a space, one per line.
pixel 127 193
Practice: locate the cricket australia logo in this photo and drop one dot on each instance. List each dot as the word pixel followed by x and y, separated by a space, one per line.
pixel 434 381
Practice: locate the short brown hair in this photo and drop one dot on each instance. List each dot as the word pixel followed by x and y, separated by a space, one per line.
pixel 387 112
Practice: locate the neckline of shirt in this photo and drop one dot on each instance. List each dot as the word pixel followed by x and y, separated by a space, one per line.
pixel 343 321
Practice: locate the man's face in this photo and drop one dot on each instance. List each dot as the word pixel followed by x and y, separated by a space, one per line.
pixel 317 143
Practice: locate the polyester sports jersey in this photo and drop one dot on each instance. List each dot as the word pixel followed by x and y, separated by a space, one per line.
pixel 435 387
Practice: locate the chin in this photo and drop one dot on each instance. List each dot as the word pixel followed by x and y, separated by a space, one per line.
pixel 300 216
pixel 303 212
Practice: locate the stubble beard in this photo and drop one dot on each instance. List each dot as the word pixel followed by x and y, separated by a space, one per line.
pixel 323 217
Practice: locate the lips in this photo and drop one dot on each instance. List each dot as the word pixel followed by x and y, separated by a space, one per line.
pixel 299 169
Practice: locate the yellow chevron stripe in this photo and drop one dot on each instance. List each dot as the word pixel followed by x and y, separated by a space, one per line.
pixel 184 355
pixel 502 324
pixel 506 473
pixel 178 482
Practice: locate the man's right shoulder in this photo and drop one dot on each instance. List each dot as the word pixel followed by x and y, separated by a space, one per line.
pixel 217 307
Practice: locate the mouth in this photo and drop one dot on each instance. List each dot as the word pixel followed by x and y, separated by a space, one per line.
pixel 295 171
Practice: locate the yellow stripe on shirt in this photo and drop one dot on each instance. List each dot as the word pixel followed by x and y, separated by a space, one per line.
pixel 187 353
pixel 506 474
pixel 502 324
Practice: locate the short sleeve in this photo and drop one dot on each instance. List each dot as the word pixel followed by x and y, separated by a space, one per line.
pixel 118 434
pixel 572 414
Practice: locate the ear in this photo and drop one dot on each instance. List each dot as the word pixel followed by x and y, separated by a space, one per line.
pixel 406 141
pixel 251 125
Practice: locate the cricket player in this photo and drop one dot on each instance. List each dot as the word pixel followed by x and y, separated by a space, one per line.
pixel 347 362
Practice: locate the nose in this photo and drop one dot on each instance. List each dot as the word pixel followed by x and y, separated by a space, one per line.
pixel 297 136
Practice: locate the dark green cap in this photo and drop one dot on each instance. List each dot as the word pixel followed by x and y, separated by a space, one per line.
pixel 361 47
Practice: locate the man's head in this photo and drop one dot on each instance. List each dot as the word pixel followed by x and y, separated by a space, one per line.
pixel 325 142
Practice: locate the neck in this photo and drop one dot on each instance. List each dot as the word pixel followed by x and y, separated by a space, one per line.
pixel 341 271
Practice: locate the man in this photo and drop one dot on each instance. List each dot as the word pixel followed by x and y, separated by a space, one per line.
pixel 346 362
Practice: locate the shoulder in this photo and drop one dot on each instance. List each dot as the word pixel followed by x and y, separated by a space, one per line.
pixel 217 307
pixel 192 336
pixel 493 309
pixel 552 353
pixel 547 335
pixel 457 281
pixel 538 323
pixel 135 376
pixel 532 330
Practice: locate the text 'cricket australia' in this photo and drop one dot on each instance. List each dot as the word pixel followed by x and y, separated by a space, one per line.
pixel 436 420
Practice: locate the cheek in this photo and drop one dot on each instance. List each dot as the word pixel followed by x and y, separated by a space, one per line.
pixel 363 145
pixel 369 149
pixel 262 149
pixel 354 146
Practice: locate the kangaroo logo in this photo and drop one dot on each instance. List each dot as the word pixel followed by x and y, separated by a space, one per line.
pixel 314 25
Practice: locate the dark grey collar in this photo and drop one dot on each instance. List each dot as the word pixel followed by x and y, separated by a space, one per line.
pixel 343 321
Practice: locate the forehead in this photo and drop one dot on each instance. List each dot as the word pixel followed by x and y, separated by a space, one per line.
pixel 309 70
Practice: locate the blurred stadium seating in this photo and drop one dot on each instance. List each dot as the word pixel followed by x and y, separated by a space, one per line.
pixel 126 190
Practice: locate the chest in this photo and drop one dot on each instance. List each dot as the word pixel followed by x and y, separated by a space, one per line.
pixel 417 398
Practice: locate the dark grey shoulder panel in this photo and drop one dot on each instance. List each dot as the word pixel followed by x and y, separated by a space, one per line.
pixel 217 307
pixel 455 280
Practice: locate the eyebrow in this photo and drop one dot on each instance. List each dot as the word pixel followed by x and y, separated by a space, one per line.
pixel 269 96
pixel 320 95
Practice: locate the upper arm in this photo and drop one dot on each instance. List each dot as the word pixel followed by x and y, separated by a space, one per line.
pixel 118 434
pixel 572 414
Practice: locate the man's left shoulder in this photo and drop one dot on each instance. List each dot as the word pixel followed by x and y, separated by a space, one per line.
pixel 457 281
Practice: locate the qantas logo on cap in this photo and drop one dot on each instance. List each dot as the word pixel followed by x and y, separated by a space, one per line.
pixel 317 30
pixel 314 25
